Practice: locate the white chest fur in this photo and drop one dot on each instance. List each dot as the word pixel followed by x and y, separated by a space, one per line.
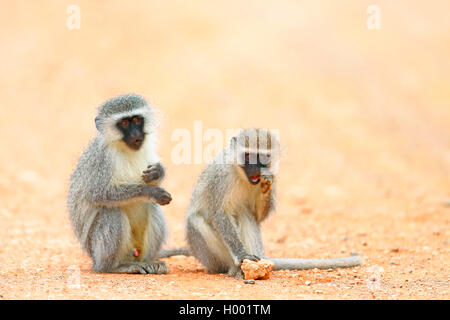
pixel 129 164
pixel 242 198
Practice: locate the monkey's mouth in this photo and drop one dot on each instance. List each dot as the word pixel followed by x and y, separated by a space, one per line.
pixel 255 179
pixel 136 144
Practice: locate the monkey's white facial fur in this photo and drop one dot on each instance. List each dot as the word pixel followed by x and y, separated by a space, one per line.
pixel 108 126
pixel 257 153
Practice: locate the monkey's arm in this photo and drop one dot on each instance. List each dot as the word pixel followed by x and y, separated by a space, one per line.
pixel 117 195
pixel 303 264
pixel 265 201
pixel 223 225
pixel 154 174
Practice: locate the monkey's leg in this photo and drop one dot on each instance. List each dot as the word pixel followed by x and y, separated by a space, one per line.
pixel 303 264
pixel 155 236
pixel 221 244
pixel 204 244
pixel 109 244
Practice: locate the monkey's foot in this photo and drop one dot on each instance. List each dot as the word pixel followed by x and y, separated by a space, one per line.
pixel 153 267
pixel 153 173
pixel 158 267
pixel 236 272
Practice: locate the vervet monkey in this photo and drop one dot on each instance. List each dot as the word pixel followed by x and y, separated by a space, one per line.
pixel 232 196
pixel 114 198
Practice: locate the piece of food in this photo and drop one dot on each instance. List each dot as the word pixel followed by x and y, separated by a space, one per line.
pixel 261 269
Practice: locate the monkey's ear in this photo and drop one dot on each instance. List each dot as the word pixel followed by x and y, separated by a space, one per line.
pixel 97 123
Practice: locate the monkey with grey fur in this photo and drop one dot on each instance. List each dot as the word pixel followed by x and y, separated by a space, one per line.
pixel 114 196
pixel 232 196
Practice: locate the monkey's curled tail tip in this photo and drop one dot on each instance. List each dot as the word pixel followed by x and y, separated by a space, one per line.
pixel 165 253
pixel 355 254
pixel 358 259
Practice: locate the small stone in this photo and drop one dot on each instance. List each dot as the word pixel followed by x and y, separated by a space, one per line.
pixel 249 281
pixel 373 278
pixel 257 269
pixel 307 282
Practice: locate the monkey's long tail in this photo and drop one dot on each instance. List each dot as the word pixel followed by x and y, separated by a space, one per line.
pixel 165 253
pixel 303 264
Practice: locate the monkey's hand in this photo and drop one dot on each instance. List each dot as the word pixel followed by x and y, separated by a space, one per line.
pixel 266 183
pixel 249 257
pixel 160 195
pixel 153 173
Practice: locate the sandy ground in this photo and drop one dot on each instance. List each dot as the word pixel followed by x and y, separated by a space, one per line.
pixel 364 118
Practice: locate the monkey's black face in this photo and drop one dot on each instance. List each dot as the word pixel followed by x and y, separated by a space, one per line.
pixel 252 166
pixel 132 129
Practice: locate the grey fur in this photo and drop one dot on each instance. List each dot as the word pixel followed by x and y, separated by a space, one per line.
pixel 220 239
pixel 301 264
pixel 224 216
pixel 165 253
pixel 104 212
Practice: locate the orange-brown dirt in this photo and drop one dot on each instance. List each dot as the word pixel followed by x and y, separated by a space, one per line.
pixel 364 118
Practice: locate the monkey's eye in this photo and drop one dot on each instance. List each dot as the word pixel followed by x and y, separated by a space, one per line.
pixel 124 123
pixel 137 120
pixel 263 160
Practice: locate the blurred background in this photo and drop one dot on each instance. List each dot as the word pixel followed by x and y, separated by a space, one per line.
pixel 363 114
